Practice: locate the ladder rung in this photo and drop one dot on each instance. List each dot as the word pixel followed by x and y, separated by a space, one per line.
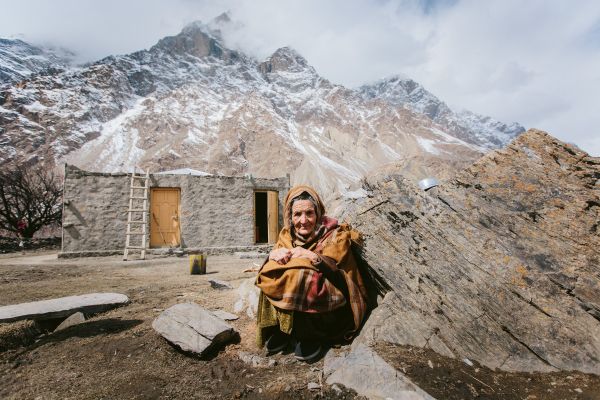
pixel 135 233
pixel 137 222
pixel 139 197
pixel 138 187
pixel 136 247
pixel 137 210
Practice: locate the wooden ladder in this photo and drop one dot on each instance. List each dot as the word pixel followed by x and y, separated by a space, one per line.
pixel 137 214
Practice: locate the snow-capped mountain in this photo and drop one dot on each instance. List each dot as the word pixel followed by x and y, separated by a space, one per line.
pixel 466 125
pixel 19 60
pixel 190 102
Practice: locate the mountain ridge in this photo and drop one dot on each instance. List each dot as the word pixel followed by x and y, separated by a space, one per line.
pixel 189 101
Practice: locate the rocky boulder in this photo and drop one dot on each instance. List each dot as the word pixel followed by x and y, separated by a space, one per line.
pixel 193 329
pixel 499 265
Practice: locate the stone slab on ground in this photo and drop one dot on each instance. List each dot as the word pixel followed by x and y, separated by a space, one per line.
pixel 74 319
pixel 224 315
pixel 62 307
pixel 367 373
pixel 192 328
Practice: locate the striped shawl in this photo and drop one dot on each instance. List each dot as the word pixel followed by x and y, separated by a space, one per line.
pixel 300 286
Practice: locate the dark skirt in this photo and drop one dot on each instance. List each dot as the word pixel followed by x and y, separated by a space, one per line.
pixel 327 327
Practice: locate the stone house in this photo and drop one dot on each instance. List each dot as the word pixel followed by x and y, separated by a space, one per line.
pixel 187 211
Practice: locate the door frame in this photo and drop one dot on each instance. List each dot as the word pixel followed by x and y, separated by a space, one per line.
pixel 272 227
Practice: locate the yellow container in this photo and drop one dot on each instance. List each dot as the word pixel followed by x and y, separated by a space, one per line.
pixel 197 264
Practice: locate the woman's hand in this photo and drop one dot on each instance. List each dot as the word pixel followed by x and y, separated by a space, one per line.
pixel 299 252
pixel 280 256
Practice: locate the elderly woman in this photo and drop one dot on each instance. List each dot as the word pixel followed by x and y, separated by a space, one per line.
pixel 311 289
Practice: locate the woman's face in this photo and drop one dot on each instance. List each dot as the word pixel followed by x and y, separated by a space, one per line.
pixel 304 217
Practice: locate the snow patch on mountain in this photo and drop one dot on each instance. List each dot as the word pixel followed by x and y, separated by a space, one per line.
pixel 118 144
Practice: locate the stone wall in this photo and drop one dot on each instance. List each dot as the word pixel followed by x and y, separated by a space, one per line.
pixel 216 211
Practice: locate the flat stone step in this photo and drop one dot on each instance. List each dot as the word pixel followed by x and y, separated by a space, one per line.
pixel 62 307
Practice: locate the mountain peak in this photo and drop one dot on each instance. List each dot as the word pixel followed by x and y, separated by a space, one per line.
pixel 285 59
pixel 196 40
pixel 395 86
pixel 223 18
pixel 193 27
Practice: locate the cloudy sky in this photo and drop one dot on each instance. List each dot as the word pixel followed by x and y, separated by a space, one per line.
pixel 536 62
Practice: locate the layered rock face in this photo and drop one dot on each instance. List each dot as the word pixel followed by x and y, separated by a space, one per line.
pixel 501 264
pixel 189 101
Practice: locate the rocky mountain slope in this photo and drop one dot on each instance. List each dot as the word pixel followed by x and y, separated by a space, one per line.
pixel 466 125
pixel 20 60
pixel 500 264
pixel 189 101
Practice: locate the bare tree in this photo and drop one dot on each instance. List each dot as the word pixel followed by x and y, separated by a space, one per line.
pixel 30 198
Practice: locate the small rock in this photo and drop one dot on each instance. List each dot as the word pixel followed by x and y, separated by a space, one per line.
pixel 313 386
pixel 224 315
pixel 255 360
pixel 74 319
pixel 336 388
pixel 430 364
pixel 578 390
pixel 247 298
pixel 220 285
pixel 468 362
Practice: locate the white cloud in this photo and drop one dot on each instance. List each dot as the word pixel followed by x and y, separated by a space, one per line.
pixel 535 62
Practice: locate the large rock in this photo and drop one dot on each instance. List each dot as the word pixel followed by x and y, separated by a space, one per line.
pixel 367 373
pixel 499 265
pixel 192 328
pixel 62 307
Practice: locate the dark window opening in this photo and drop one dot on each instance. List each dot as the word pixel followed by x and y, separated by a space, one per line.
pixel 261 224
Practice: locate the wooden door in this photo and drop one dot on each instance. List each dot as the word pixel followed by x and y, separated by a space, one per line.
pixel 273 215
pixel 164 217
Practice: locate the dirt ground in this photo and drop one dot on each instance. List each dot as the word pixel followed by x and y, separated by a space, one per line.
pixel 117 354
pixel 445 378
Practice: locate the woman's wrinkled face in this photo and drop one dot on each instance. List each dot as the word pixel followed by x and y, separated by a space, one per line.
pixel 304 217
